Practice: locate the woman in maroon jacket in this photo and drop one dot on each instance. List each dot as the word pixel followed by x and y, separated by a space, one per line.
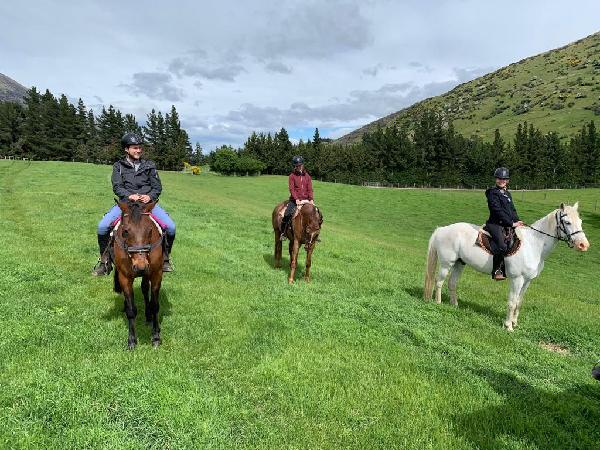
pixel 300 184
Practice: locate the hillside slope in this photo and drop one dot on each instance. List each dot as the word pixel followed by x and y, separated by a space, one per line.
pixel 556 91
pixel 10 90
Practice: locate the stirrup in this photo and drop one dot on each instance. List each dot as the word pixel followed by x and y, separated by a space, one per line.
pixel 101 268
pixel 167 266
pixel 498 275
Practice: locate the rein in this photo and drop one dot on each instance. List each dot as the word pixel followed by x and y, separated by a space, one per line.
pixel 140 248
pixel 560 226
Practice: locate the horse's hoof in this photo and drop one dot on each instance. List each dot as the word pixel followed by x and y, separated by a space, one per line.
pixel 508 327
pixel 290 282
pixel 155 343
pixel 307 279
pixel 277 266
pixel 131 345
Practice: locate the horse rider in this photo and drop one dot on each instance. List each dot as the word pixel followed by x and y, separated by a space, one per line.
pixel 502 215
pixel 135 179
pixel 300 185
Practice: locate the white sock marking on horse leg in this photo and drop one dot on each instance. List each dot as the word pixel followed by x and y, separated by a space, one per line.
pixel 442 274
pixel 513 299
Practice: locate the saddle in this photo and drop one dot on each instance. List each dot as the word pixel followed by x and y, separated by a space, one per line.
pixel 513 243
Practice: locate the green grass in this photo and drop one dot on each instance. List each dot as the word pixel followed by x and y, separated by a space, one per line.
pixel 354 359
pixel 566 78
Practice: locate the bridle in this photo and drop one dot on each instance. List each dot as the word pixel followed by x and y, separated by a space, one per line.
pixel 561 227
pixel 138 249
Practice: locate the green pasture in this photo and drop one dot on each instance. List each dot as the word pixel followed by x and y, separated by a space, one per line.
pixel 355 359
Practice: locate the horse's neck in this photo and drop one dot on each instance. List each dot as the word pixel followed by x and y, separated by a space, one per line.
pixel 545 242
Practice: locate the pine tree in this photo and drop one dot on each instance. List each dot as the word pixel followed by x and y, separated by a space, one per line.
pixel 12 117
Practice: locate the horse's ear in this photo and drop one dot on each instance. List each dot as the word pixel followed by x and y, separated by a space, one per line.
pixel 149 206
pixel 562 206
pixel 576 206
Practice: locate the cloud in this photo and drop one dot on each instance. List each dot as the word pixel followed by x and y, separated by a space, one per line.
pixel 359 106
pixel 311 30
pixel 154 85
pixel 187 67
pixel 278 67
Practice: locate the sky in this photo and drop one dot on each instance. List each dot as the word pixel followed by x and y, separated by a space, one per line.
pixel 233 67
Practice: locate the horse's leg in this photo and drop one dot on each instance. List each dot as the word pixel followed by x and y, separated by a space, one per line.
pixel 453 282
pixel 145 292
pixel 513 299
pixel 308 263
pixel 520 302
pixel 293 260
pixel 154 307
pixel 130 309
pixel 439 282
pixel 278 245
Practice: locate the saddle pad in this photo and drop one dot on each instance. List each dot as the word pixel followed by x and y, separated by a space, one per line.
pixel 483 241
pixel 296 211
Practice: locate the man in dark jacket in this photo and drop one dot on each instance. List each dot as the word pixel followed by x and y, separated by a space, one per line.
pixel 502 215
pixel 300 186
pixel 135 179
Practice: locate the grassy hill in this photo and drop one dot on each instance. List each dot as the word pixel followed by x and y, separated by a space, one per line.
pixel 558 90
pixel 10 90
pixel 354 359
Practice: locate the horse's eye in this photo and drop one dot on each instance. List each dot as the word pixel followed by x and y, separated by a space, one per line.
pixel 125 233
pixel 567 222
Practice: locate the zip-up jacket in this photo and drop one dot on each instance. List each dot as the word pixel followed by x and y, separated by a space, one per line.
pixel 144 181
pixel 502 209
pixel 300 186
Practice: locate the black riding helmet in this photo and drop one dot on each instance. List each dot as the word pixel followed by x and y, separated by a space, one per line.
pixel 131 139
pixel 297 160
pixel 502 173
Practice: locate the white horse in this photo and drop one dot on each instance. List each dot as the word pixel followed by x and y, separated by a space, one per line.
pixel 454 246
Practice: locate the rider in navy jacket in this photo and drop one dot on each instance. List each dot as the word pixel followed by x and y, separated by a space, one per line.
pixel 502 215
pixel 134 179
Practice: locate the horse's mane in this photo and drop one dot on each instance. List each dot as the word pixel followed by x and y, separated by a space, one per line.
pixel 135 210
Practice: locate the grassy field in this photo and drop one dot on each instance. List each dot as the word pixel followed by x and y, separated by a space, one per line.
pixel 354 359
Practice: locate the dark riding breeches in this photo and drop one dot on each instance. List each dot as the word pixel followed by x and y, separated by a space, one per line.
pixel 287 216
pixel 498 247
pixel 497 243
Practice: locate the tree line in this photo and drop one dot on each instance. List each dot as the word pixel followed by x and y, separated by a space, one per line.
pixel 431 152
pixel 46 127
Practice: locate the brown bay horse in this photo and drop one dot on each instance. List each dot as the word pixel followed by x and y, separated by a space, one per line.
pixel 304 229
pixel 138 252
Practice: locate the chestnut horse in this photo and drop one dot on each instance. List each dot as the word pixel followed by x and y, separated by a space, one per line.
pixel 303 229
pixel 138 252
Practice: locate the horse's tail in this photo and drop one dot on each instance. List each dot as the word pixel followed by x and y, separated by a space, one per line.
pixel 117 286
pixel 432 258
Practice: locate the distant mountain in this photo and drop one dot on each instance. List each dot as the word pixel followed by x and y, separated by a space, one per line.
pixel 558 90
pixel 10 90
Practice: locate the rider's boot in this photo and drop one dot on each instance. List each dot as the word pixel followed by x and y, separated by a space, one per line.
pixel 498 268
pixel 103 266
pixel 167 266
pixel 283 229
pixel 596 371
